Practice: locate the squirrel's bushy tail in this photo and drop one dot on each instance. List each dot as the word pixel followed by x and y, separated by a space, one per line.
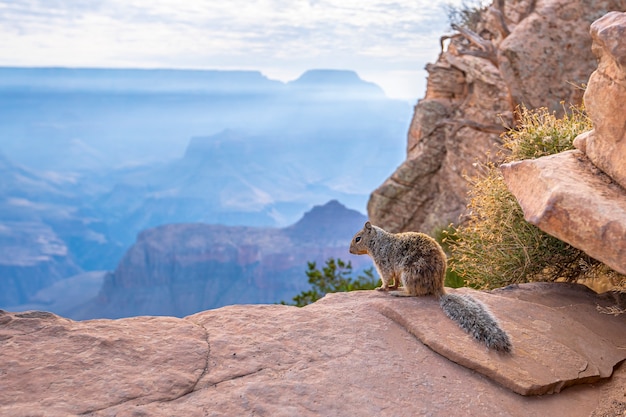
pixel 475 319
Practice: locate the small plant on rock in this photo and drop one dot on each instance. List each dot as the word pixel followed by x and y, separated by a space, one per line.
pixel 335 276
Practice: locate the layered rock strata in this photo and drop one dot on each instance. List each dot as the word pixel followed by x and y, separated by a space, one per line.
pixel 180 269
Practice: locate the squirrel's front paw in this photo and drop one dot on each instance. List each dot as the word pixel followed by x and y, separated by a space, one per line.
pixel 383 288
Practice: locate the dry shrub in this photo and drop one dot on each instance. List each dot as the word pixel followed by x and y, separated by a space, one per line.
pixel 469 14
pixel 495 246
pixel 539 133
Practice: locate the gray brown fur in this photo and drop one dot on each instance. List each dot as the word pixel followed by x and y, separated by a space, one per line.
pixel 417 261
pixel 414 259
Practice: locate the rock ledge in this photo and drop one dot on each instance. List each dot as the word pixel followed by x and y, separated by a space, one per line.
pixel 404 356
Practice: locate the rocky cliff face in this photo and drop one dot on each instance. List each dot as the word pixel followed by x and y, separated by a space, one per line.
pixel 181 269
pixel 535 53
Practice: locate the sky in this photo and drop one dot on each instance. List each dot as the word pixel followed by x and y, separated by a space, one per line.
pixel 386 41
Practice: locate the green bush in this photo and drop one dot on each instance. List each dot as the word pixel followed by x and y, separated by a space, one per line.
pixel 336 276
pixel 495 246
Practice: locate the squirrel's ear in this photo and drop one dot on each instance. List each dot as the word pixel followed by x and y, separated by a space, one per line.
pixel 368 225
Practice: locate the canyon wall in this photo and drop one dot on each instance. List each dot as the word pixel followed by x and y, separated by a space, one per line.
pixel 180 269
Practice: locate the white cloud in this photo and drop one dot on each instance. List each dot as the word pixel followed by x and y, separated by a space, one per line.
pixel 287 36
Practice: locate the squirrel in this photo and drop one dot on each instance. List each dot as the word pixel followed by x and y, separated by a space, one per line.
pixel 419 262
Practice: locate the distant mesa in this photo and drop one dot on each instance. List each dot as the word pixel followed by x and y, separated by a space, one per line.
pixel 112 80
pixel 340 82
pixel 328 76
pixel 332 219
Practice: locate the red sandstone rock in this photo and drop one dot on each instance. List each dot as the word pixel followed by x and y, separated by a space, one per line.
pixel 350 354
pixel 547 56
pixel 458 123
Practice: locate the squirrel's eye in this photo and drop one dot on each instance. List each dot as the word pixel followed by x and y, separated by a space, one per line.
pixel 357 239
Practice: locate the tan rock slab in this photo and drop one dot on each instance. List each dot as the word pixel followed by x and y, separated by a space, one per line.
pixel 567 197
pixel 339 357
pixel 555 346
pixel 50 365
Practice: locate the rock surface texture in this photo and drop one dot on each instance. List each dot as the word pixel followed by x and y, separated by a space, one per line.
pixel 567 197
pixel 404 356
pixel 605 98
pixel 570 195
pixel 521 53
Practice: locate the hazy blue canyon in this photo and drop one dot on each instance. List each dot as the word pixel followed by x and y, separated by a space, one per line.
pixel 93 158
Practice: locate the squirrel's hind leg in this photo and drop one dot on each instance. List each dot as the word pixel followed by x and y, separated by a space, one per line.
pixel 397 280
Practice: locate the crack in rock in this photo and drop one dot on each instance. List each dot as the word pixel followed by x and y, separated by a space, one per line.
pixel 235 377
pixel 206 363
pixel 96 410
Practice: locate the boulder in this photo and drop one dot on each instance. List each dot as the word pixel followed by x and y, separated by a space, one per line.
pixel 605 96
pixel 566 196
pixel 350 354
pixel 547 57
